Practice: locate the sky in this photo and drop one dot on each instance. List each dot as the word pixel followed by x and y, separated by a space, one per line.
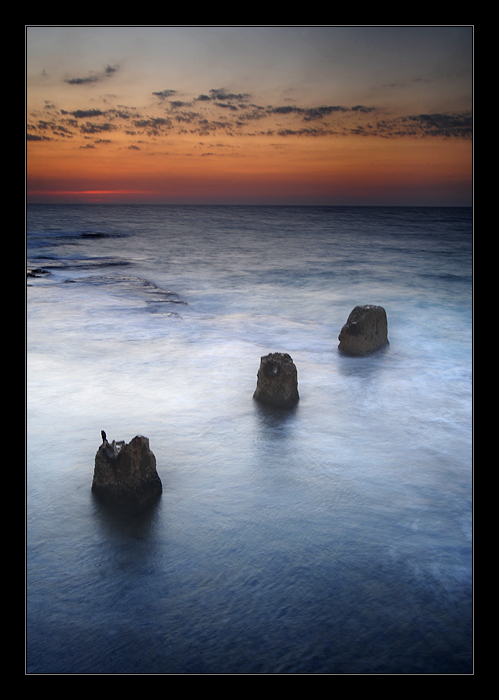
pixel 318 115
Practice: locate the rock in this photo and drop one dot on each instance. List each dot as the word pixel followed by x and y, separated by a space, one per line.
pixel 365 331
pixel 125 475
pixel 277 381
pixel 36 272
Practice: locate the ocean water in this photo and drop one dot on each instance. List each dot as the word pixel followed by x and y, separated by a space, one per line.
pixel 334 538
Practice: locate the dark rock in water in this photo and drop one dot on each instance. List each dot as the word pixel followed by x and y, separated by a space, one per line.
pixel 277 381
pixel 36 272
pixel 125 475
pixel 365 331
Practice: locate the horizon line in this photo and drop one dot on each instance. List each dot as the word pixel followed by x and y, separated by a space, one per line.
pixel 244 204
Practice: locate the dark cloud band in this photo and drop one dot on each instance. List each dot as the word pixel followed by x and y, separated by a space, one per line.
pixel 232 113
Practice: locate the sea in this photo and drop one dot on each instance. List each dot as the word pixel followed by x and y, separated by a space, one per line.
pixel 332 538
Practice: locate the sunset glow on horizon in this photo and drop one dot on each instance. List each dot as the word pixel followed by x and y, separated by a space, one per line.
pixel 250 115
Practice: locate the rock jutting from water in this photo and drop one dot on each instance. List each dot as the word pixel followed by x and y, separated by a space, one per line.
pixel 125 475
pixel 37 272
pixel 277 381
pixel 365 331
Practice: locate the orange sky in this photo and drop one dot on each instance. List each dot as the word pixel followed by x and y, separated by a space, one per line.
pixel 113 120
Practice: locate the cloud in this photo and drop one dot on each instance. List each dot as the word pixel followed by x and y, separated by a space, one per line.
pixel 92 128
pixel 315 113
pixel 188 117
pixel 120 114
pixel 227 105
pixel 84 113
pixel 153 126
pixel 94 77
pixel 206 127
pixel 305 132
pixel 251 113
pixel 82 81
pixel 447 125
pixel 234 114
pixel 35 137
pixel 444 125
pixel 220 94
pixel 165 94
pixel 58 128
pixel 364 110
pixel 286 109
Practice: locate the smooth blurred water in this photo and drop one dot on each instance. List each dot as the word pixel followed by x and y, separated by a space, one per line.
pixel 334 538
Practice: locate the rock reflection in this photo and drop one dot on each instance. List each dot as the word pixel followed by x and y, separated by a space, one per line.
pixel 114 522
pixel 273 421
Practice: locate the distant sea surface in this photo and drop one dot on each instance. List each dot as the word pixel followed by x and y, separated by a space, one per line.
pixel 334 538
